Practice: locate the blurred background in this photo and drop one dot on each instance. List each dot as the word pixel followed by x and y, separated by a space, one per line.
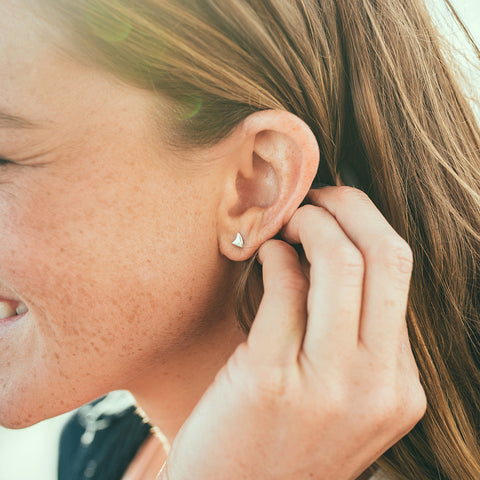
pixel 31 454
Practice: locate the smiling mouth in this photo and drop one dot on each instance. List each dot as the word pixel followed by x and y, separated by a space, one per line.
pixel 10 309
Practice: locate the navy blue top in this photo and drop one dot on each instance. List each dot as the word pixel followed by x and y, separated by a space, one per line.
pixel 101 439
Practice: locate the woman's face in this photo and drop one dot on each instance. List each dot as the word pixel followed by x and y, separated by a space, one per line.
pixel 111 248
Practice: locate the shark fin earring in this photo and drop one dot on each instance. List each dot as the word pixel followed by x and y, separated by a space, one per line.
pixel 238 242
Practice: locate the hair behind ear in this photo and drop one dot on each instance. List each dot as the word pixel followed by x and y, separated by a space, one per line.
pixel 248 293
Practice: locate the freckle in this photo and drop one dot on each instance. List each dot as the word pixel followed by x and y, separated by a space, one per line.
pixel 67 299
pixel 74 331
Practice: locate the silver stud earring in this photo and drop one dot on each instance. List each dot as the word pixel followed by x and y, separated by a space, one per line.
pixel 238 242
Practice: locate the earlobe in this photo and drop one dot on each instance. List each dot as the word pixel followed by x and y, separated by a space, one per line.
pixel 270 175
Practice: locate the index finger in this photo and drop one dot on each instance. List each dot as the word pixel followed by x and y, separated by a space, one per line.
pixel 354 210
pixel 388 263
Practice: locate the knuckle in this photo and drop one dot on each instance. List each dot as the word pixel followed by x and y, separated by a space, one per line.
pixel 353 195
pixel 387 408
pixel 395 254
pixel 396 409
pixel 292 281
pixel 417 402
pixel 270 388
pixel 349 260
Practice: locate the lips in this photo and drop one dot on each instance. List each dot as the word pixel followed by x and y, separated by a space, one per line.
pixel 11 308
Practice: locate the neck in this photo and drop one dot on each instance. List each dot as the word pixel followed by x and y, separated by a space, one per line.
pixel 169 391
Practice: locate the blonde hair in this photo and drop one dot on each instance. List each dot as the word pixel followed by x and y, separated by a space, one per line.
pixel 373 82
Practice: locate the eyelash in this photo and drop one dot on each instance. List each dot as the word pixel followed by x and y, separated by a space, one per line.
pixel 4 161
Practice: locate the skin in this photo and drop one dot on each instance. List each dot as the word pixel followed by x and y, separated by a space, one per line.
pixel 326 381
pixel 124 258
pixel 114 253
pixel 120 247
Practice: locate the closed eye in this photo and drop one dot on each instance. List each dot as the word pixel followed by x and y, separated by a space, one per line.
pixel 4 161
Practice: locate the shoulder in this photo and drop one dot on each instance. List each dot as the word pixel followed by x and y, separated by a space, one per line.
pixel 101 439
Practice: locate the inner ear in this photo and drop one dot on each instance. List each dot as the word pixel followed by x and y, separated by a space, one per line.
pixel 258 188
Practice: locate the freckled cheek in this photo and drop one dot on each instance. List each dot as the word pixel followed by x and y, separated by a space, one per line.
pixel 75 315
pixel 40 261
pixel 91 269
pixel 69 274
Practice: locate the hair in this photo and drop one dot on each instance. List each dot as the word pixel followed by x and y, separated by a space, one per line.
pixel 373 79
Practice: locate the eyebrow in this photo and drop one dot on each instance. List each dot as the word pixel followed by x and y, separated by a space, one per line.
pixel 14 121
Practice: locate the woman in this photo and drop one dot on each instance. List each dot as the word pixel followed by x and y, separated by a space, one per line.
pixel 152 148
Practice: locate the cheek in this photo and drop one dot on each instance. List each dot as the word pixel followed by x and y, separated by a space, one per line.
pixel 109 293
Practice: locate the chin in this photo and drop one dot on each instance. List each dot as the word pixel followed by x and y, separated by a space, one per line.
pixel 17 423
pixel 16 419
pixel 23 409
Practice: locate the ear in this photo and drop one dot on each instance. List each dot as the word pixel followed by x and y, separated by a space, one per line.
pixel 269 173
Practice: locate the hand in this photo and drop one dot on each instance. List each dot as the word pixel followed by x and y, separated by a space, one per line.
pixel 326 381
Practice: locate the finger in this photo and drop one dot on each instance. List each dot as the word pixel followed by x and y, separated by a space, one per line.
pixel 279 326
pixel 336 282
pixel 388 265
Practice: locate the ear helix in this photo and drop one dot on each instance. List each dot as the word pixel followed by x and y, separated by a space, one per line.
pixel 238 242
